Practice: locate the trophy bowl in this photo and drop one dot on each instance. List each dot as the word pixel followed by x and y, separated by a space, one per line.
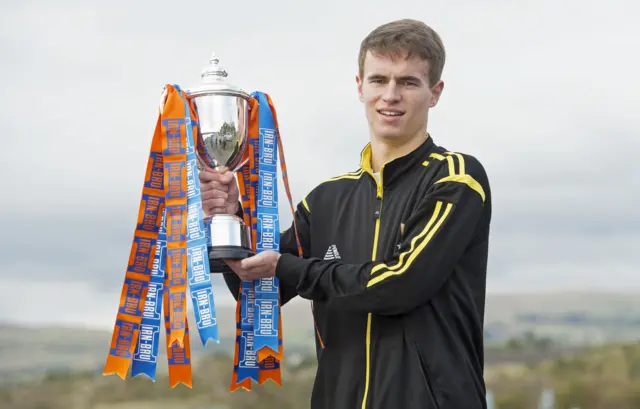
pixel 223 121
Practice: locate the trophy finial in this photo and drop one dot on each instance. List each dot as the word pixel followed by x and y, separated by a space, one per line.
pixel 214 81
pixel 214 69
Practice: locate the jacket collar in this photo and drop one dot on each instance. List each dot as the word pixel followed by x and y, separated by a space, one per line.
pixel 396 168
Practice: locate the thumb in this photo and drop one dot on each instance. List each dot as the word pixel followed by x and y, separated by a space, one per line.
pixel 253 261
pixel 227 178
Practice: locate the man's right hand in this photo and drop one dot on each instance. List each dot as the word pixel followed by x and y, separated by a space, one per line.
pixel 219 192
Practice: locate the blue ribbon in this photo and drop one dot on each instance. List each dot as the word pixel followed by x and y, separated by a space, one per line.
pixel 259 299
pixel 145 357
pixel 198 272
pixel 268 228
pixel 248 360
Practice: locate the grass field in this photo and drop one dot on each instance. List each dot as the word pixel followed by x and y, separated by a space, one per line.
pixel 595 378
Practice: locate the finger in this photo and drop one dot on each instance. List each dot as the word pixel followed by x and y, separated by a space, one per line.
pixel 232 208
pixel 233 190
pixel 207 175
pixel 214 205
pixel 217 185
pixel 215 202
pixel 227 178
pixel 224 178
pixel 235 266
pixel 254 263
pixel 249 263
pixel 215 194
pixel 251 275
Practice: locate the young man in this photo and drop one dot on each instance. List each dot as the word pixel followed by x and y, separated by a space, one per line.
pixel 395 253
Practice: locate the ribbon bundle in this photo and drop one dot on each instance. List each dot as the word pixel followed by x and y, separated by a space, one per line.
pixel 259 324
pixel 169 253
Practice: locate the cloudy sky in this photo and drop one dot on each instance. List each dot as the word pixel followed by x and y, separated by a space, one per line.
pixel 543 92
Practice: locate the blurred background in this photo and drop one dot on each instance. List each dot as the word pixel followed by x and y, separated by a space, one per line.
pixel 543 92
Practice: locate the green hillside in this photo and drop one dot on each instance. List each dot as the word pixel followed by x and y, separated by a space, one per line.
pixel 606 377
pixel 566 320
pixel 26 352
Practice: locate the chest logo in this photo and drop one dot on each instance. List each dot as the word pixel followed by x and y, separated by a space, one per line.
pixel 332 253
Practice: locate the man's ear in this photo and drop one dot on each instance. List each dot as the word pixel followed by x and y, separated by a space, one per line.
pixel 359 85
pixel 436 92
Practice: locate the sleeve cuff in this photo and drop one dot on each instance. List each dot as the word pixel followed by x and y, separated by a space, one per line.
pixel 289 268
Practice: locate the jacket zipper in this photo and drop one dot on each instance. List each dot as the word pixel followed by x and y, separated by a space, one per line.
pixel 379 191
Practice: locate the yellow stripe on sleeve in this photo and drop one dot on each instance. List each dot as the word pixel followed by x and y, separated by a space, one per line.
pixel 467 180
pixel 406 253
pixel 417 245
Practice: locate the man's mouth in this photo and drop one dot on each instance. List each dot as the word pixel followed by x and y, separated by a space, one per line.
pixel 391 112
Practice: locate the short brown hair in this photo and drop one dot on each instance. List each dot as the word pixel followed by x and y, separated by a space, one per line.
pixel 406 38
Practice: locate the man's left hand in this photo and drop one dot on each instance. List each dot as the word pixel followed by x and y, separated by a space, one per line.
pixel 262 265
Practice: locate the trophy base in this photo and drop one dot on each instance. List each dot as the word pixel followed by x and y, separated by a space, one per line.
pixel 229 240
pixel 218 254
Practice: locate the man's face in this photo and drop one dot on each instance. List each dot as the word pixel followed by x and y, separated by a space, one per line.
pixel 397 96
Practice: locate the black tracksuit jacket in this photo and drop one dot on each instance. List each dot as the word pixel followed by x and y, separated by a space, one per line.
pixel 396 272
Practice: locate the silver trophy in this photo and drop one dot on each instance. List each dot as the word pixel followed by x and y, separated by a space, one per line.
pixel 223 122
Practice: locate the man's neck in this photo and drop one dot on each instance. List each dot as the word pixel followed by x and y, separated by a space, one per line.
pixel 383 152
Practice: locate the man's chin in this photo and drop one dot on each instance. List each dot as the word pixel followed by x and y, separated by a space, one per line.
pixel 395 135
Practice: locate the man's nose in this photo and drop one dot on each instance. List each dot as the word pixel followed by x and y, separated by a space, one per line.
pixel 391 93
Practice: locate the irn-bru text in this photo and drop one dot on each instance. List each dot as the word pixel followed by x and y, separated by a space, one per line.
pixel 152 304
pixel 192 177
pixel 142 260
pixel 267 156
pixel 156 178
pixel 267 236
pixel 248 307
pixel 148 336
pixel 124 330
pixel 250 358
pixel 266 317
pixel 132 298
pixel 196 261
pixel 176 264
pixel 194 232
pixel 176 304
pixel 174 137
pixel 176 189
pixel 267 181
pixel 203 298
pixel 176 214
pixel 150 213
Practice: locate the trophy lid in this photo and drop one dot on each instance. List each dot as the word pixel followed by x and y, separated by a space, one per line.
pixel 214 81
